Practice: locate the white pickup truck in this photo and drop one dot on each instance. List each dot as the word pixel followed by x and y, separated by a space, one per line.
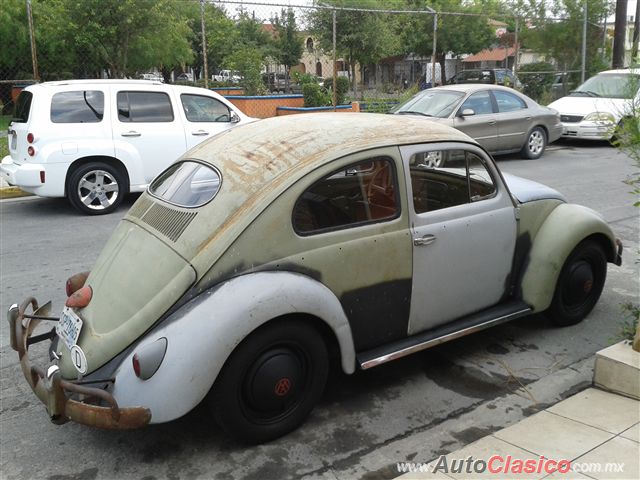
pixel 226 76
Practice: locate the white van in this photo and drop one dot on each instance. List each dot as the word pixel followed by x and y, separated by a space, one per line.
pixel 94 141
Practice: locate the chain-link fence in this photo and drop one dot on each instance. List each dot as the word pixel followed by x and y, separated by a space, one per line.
pixel 280 48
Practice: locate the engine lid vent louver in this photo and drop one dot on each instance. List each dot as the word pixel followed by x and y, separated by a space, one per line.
pixel 171 223
pixel 140 207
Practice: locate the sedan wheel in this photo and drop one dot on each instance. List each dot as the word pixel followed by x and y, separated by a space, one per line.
pixel 535 144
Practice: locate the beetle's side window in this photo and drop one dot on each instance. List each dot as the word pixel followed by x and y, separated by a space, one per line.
pixel 364 192
pixel 448 178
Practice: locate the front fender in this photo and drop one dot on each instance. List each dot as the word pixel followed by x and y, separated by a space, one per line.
pixel 202 334
pixel 565 227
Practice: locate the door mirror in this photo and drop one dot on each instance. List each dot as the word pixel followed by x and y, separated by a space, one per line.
pixel 234 117
pixel 467 112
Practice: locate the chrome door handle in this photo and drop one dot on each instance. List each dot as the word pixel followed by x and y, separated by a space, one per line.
pixel 426 240
pixel 491 122
pixel 131 134
pixel 200 133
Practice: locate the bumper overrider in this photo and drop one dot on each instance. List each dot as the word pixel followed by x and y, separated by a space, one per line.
pixel 65 400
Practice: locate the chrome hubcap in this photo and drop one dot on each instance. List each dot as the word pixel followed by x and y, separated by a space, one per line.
pixel 536 142
pixel 98 189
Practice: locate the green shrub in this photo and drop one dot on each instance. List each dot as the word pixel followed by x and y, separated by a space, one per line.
pixel 535 84
pixel 315 95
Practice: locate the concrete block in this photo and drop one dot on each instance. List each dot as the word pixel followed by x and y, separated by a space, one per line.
pixel 617 369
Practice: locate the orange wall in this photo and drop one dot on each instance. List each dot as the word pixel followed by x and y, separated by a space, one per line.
pixel 354 107
pixel 265 106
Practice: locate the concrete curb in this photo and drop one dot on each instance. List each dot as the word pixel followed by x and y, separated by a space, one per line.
pixel 12 192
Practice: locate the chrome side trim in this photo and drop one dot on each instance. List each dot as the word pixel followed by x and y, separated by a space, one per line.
pixel 444 338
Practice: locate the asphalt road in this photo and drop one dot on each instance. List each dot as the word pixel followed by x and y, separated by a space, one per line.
pixel 411 410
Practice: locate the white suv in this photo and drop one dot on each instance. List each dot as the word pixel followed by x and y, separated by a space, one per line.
pixel 94 141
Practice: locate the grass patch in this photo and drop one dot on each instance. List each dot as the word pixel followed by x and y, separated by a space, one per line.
pixel 4 147
pixel 4 122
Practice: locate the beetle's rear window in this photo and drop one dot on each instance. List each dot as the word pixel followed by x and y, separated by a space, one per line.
pixel 187 184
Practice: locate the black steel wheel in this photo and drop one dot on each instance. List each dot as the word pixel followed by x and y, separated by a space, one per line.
pixel 271 382
pixel 579 285
pixel 96 188
pixel 535 144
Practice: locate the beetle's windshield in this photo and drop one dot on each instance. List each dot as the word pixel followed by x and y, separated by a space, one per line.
pixel 431 103
pixel 609 85
pixel 187 184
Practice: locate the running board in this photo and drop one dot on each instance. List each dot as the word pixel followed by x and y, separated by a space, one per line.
pixel 459 328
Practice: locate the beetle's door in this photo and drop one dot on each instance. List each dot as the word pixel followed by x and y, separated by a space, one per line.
pixel 463 230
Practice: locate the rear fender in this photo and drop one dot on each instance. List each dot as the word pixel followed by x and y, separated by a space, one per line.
pixel 565 227
pixel 203 333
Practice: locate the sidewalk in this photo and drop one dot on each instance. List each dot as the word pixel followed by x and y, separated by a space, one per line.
pixel 596 431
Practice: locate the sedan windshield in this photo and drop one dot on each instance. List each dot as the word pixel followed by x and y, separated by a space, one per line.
pixel 431 103
pixel 609 85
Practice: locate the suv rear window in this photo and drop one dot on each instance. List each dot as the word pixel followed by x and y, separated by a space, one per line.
pixel 23 107
pixel 84 106
pixel 144 107
pixel 187 184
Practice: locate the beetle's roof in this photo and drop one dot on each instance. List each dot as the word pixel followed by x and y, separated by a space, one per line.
pixel 303 142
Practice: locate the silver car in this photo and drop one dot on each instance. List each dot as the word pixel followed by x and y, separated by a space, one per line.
pixel 501 119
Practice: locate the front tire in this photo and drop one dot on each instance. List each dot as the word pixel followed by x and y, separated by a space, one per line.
pixel 579 285
pixel 96 188
pixel 271 382
pixel 536 143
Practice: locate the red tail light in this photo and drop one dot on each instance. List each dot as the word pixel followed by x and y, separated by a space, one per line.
pixel 75 282
pixel 30 137
pixel 41 176
pixel 136 365
pixel 80 298
pixel 31 151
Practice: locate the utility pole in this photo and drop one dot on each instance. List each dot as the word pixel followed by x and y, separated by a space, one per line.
pixel 335 66
pixel 204 46
pixel 435 45
pixel 636 35
pixel 620 34
pixel 32 38
pixel 584 44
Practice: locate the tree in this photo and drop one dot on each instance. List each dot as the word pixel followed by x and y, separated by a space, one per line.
pixel 455 34
pixel 287 43
pixel 125 36
pixel 562 39
pixel 361 37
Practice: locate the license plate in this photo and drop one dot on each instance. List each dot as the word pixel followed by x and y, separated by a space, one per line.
pixel 69 326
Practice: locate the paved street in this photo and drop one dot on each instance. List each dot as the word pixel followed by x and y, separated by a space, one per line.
pixel 412 410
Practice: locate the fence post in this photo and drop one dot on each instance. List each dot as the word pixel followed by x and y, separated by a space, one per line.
pixel 335 67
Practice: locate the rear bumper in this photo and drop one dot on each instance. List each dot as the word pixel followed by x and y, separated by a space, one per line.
pixel 29 177
pixel 65 400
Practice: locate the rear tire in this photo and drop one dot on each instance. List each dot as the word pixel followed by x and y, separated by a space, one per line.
pixel 96 188
pixel 535 144
pixel 271 382
pixel 579 285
